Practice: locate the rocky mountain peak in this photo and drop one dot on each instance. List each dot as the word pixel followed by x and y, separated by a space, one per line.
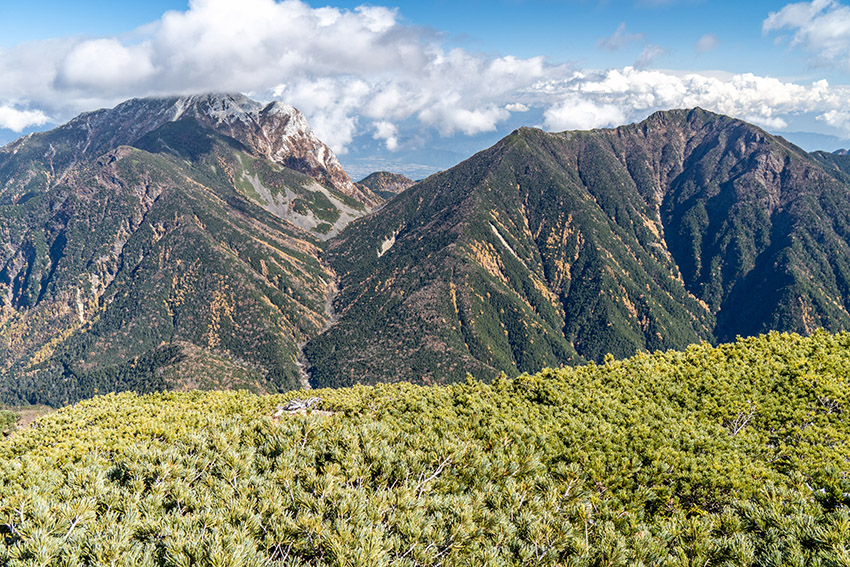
pixel 220 108
pixel 276 131
pixel 386 184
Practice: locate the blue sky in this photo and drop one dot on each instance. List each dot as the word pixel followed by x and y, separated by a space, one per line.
pixel 564 30
pixel 396 82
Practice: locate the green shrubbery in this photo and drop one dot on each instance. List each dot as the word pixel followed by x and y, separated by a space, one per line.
pixel 734 455
pixel 8 421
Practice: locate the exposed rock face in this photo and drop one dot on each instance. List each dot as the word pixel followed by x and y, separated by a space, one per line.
pixel 277 131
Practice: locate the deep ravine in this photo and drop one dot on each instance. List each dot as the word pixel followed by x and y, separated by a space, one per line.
pixel 330 295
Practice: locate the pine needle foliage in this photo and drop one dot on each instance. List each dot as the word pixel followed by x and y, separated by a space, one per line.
pixel 735 455
pixel 8 420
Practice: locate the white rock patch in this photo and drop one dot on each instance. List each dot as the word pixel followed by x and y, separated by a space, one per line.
pixel 387 244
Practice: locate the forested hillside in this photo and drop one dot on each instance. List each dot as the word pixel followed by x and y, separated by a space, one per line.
pixel 735 455
pixel 213 242
pixel 165 244
pixel 555 248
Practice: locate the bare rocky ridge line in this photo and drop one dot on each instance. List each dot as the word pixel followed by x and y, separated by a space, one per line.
pixel 276 131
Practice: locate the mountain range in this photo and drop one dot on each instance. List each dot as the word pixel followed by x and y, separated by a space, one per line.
pixel 212 241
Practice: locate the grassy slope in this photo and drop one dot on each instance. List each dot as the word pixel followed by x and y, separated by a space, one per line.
pixel 632 462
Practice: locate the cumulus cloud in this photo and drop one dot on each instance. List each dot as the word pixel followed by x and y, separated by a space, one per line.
pixel 821 27
pixel 366 71
pixel 342 68
pixel 449 116
pixel 16 120
pixel 104 64
pixel 577 113
pixel 636 93
pixel 388 132
pixel 332 105
pixel 619 39
pixel 839 119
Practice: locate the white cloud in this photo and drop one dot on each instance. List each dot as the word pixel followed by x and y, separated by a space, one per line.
pixel 821 27
pixel 575 113
pixel 649 54
pixel 378 18
pixel 388 132
pixel 16 120
pixel 104 64
pixel 636 93
pixel 449 116
pixel 338 66
pixel 839 119
pixel 706 43
pixel 619 39
pixel 364 70
pixel 331 105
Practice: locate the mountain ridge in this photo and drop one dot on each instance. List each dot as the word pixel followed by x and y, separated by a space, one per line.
pixel 164 253
pixel 276 131
pixel 386 184
pixel 211 255
pixel 572 245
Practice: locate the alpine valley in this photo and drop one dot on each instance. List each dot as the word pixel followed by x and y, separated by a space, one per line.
pixel 214 242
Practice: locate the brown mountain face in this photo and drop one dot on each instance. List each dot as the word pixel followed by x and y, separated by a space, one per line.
pixel 549 249
pixel 277 132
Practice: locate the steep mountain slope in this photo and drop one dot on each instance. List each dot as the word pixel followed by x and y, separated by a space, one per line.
pixel 548 249
pixel 198 242
pixel 386 184
pixel 168 263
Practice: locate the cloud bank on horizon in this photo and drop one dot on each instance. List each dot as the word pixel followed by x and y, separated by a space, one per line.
pixel 367 70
